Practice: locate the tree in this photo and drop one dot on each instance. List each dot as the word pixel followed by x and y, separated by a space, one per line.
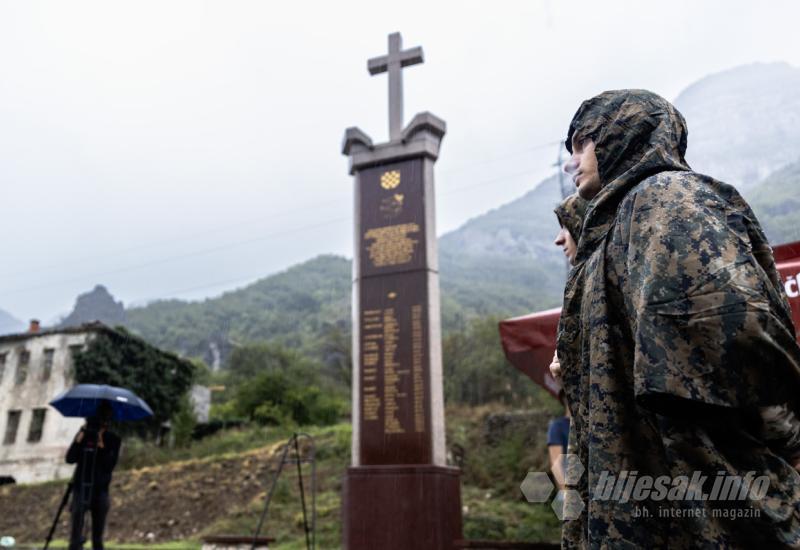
pixel 335 348
pixel 476 371
pixel 270 384
pixel 117 358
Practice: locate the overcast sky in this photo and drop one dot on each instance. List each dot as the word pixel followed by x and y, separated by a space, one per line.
pixel 182 148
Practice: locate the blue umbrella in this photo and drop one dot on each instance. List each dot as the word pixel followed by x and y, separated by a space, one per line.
pixel 82 400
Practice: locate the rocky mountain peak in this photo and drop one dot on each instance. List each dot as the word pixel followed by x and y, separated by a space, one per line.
pixel 96 305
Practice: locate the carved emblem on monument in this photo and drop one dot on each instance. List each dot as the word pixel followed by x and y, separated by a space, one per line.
pixel 390 179
pixel 392 206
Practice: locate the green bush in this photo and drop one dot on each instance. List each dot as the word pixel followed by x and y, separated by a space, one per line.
pixel 275 398
pixel 271 385
pixel 484 528
pixel 476 371
pixel 118 358
pixel 183 423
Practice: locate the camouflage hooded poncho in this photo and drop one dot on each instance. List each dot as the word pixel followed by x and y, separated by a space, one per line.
pixel 677 349
pixel 570 213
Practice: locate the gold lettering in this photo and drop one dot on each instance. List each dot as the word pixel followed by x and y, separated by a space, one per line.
pixel 391 244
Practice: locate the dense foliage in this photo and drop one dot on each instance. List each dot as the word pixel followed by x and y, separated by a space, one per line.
pixel 292 308
pixel 118 358
pixel 476 371
pixel 272 385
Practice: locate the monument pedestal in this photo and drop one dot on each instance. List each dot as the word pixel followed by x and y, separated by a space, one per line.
pixel 402 507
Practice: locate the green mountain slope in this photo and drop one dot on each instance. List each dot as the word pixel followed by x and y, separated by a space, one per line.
pixel 293 307
pixel 776 202
pixel 504 262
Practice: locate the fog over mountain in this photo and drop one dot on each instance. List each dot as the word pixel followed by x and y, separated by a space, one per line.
pixel 744 123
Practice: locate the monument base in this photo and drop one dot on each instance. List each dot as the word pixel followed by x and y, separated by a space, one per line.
pixel 401 507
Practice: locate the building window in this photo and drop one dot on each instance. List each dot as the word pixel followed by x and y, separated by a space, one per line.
pixel 23 363
pixel 2 365
pixel 37 425
pixel 47 367
pixel 74 350
pixel 12 424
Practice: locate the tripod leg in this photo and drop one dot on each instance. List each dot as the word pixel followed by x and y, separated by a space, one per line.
pixel 271 491
pixel 302 492
pixel 58 515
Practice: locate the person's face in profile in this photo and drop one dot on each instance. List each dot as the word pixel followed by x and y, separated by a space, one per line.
pixel 567 243
pixel 582 166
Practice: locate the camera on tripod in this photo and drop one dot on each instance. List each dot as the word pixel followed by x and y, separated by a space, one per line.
pixel 91 433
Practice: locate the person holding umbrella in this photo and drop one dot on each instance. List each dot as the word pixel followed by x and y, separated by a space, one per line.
pixel 94 451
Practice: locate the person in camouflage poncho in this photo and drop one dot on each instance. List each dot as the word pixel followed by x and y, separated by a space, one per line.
pixel 570 214
pixel 677 347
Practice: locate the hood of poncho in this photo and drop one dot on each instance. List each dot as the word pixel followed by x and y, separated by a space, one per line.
pixel 636 134
pixel 570 213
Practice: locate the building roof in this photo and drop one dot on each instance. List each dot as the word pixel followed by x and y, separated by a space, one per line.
pixel 94 326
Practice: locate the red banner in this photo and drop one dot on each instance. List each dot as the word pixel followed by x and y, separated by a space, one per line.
pixel 529 341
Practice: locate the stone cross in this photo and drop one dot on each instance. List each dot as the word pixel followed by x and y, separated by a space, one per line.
pixel 393 63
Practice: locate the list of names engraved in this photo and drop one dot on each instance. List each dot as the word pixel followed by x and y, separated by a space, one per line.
pixel 416 367
pixel 391 244
pixel 393 392
pixel 370 362
pixel 391 373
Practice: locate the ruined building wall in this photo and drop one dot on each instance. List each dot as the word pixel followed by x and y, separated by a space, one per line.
pixel 27 383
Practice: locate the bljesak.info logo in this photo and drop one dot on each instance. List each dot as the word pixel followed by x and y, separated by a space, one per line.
pixel 681 492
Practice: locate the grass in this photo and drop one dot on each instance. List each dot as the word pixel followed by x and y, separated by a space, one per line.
pixel 285 518
pixel 139 454
pixel 493 507
pixel 494 517
pixel 172 545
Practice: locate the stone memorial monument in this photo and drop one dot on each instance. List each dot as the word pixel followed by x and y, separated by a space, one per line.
pixel 399 492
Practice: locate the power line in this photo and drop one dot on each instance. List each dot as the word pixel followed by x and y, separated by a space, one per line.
pixel 234 244
pixel 281 213
pixel 144 246
pixel 204 286
pixel 486 182
pixel 502 157
pixel 173 258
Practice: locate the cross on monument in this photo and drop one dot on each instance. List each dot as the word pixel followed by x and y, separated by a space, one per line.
pixel 393 63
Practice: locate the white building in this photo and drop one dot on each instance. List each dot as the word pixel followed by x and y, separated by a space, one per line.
pixel 35 366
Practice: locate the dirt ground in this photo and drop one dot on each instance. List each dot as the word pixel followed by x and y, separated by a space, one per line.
pixel 164 503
